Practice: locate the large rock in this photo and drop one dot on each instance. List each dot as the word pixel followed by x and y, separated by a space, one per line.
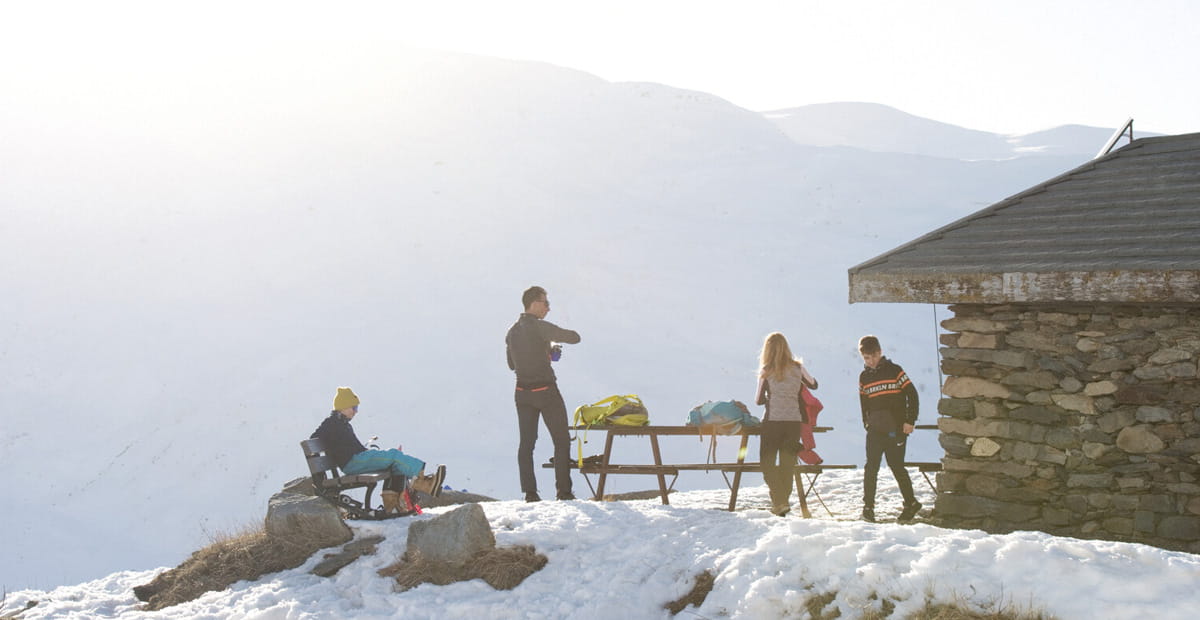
pixel 984 447
pixel 306 519
pixel 453 537
pixel 1100 388
pixel 981 326
pixel 1167 356
pixel 1139 440
pixel 972 340
pixel 1075 402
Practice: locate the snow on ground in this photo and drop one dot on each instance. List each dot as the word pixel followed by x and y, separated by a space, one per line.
pixel 627 559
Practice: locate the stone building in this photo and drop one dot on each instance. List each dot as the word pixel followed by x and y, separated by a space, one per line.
pixel 1072 398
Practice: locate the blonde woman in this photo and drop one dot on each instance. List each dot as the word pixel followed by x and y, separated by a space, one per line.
pixel 780 378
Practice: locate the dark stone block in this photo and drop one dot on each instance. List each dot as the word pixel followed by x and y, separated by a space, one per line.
pixel 957 407
pixel 1055 366
pixel 1023 494
pixel 1033 413
pixel 956 368
pixel 954 445
pixel 1182 528
pixel 1157 503
pixel 1135 468
pixel 1055 516
pixel 968 506
pixel 1093 435
pixel 1185 393
pixel 1077 504
pixel 1062 438
pixel 1143 521
pixel 950 482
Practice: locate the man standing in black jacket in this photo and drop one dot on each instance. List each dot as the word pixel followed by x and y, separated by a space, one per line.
pixel 530 342
pixel 889 411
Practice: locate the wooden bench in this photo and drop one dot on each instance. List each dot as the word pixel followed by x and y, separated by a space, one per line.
pixel 330 483
pixel 661 470
pixel 926 467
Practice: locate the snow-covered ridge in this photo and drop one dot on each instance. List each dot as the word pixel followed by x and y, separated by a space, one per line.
pixel 765 567
pixel 876 127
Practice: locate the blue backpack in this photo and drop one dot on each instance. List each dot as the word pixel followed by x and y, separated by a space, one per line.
pixel 722 417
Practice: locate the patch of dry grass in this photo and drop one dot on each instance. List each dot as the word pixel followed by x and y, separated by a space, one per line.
pixel 818 607
pixel 503 568
pixel 246 555
pixel 958 610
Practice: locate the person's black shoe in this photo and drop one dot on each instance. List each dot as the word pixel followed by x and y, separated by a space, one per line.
pixel 910 511
pixel 868 514
pixel 532 497
pixel 566 496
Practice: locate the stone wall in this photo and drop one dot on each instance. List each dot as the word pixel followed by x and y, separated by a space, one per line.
pixel 1072 420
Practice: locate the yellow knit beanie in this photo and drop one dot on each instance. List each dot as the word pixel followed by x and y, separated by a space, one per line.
pixel 345 399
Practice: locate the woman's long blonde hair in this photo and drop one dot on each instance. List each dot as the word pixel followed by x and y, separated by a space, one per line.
pixel 776 357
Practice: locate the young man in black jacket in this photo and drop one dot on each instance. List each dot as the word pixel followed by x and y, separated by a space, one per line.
pixel 529 344
pixel 889 411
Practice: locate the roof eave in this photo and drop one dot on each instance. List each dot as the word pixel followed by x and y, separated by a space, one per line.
pixel 1136 287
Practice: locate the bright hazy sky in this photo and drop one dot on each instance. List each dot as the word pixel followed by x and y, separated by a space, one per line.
pixel 1009 66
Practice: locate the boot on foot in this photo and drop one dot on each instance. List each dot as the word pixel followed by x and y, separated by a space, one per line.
pixel 432 484
pixel 868 514
pixel 910 511
pixel 391 502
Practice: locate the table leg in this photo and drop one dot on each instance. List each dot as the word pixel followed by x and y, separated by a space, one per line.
pixel 737 475
pixel 608 441
pixel 662 479
pixel 802 493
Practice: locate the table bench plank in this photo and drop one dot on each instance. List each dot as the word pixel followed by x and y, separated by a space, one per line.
pixel 662 470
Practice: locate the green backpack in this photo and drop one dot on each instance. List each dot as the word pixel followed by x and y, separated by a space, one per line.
pixel 625 410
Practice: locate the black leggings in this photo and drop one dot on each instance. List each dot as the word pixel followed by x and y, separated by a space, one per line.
pixel 777 454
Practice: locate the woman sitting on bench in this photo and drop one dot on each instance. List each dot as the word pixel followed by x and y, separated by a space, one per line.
pixel 781 377
pixel 352 457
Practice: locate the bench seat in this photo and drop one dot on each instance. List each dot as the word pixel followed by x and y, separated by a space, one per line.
pixel 924 466
pixel 345 480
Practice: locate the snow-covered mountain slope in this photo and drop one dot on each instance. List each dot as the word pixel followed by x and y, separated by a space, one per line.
pixel 198 259
pixel 881 128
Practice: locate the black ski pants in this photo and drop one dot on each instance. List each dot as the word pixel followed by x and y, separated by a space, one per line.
pixel 777 455
pixel 892 445
pixel 546 403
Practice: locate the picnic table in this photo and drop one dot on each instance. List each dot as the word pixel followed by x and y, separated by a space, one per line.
pixel 661 470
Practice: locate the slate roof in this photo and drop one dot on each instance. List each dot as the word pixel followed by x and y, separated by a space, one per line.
pixel 1124 227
